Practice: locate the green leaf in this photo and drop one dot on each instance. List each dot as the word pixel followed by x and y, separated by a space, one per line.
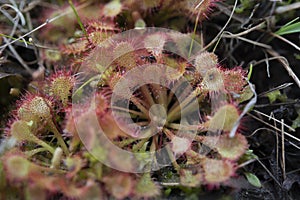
pixel 296 122
pixel 168 191
pixel 289 28
pixel 276 95
pixel 248 155
pixel 146 188
pixel 253 180
pixel 246 94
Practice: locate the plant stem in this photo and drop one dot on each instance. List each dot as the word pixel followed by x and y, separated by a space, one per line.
pixel 42 143
pixel 58 136
pixel 176 111
pixel 51 170
pixel 147 95
pixel 35 151
pixel 125 142
pixel 175 126
pixel 161 94
pixel 46 146
pixel 141 115
pixel 78 19
pixel 139 145
pixel 173 159
pixel 140 106
pixel 194 34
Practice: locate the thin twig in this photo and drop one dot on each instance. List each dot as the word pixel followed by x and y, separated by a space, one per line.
pixel 277 148
pixel 246 163
pixel 272 176
pixel 268 64
pixel 280 87
pixel 230 35
pixel 285 64
pixel 282 149
pixel 285 40
pixel 276 120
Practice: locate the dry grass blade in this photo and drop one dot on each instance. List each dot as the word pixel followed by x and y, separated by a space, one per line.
pixel 17 56
pixel 275 128
pixel 20 15
pixel 283 9
pixel 280 87
pixel 224 27
pixel 44 24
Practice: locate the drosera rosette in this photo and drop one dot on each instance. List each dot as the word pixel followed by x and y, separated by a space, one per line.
pixel 38 111
pixel 166 117
pixel 167 121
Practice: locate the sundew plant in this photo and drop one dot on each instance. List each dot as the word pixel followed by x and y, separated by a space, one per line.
pixel 128 101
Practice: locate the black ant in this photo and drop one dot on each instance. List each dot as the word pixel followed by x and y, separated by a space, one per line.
pixel 150 59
